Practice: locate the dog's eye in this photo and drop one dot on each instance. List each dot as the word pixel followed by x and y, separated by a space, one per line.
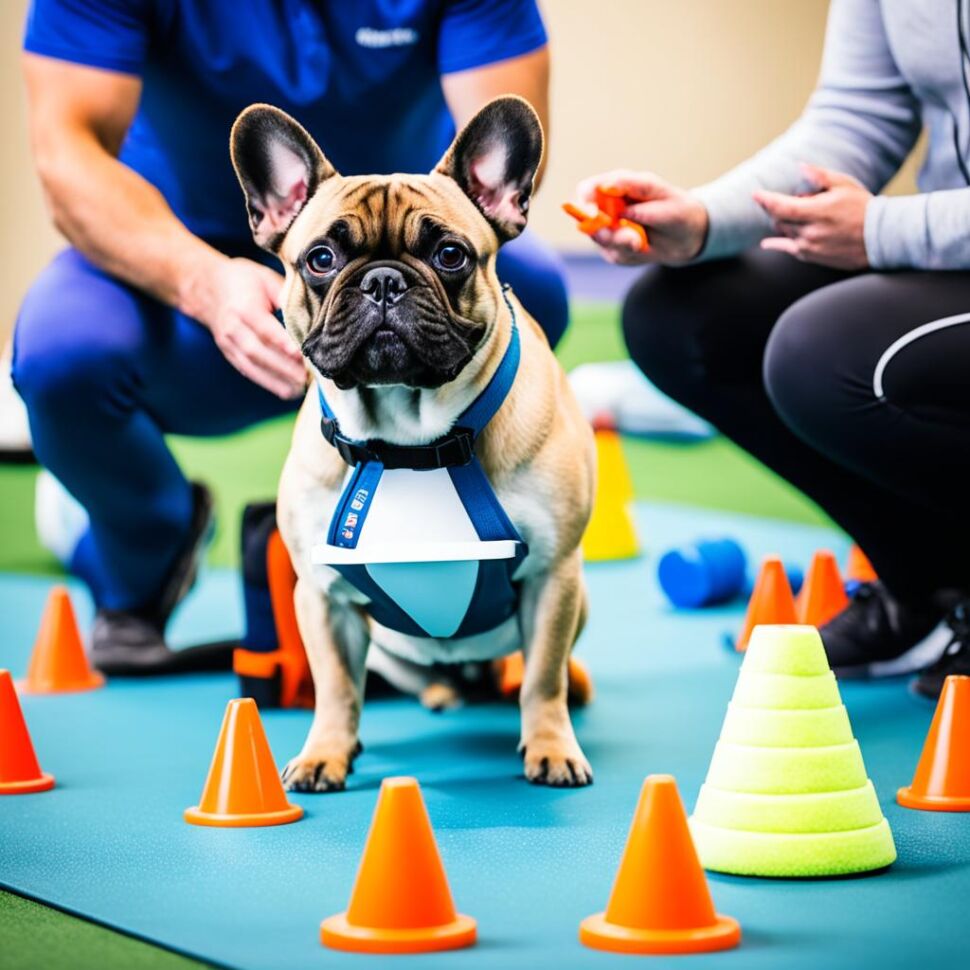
pixel 320 260
pixel 450 257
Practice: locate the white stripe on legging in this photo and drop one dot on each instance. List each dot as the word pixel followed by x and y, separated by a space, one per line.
pixel 897 345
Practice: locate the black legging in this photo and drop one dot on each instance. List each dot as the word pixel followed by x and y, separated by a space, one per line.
pixel 797 364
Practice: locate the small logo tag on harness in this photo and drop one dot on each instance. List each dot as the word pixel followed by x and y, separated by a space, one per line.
pixel 352 519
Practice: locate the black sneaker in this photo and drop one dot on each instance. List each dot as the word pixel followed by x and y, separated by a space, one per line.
pixel 956 656
pixel 132 642
pixel 878 636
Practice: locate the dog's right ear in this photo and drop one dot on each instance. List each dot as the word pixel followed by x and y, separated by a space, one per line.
pixel 279 167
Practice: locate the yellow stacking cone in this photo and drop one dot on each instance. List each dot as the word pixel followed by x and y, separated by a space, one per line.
pixel 787 792
pixel 611 533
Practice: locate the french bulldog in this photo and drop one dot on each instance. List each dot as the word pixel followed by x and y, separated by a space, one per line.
pixel 392 294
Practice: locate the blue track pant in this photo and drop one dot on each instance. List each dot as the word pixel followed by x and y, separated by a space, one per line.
pixel 106 372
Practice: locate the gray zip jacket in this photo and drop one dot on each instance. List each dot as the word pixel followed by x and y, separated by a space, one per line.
pixel 889 68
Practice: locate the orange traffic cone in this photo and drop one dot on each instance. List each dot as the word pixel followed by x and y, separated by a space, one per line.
pixel 243 787
pixel 942 779
pixel 511 670
pixel 823 594
pixel 400 902
pixel 58 663
pixel 859 568
pixel 19 771
pixel 660 902
pixel 771 601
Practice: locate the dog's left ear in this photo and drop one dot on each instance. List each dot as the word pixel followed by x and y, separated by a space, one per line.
pixel 279 168
pixel 494 159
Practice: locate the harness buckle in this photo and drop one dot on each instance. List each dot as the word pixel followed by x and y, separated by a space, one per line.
pixel 456 448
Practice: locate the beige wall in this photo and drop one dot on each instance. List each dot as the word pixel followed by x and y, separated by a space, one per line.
pixel 685 87
pixel 27 240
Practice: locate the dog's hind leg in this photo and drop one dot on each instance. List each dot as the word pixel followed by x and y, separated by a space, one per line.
pixel 336 636
pixel 551 611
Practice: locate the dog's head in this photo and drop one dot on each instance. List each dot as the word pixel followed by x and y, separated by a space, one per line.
pixel 390 279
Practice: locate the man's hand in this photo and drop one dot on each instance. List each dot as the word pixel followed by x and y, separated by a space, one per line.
pixel 827 228
pixel 237 304
pixel 675 221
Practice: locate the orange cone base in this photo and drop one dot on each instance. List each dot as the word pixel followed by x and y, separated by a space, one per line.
pixel 933 803
pixel 44 783
pixel 93 681
pixel 338 934
pixel 596 932
pixel 195 816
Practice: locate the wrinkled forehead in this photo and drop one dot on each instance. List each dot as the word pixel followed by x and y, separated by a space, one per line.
pixel 392 213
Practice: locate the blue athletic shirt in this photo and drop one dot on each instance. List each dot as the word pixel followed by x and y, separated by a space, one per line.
pixel 363 76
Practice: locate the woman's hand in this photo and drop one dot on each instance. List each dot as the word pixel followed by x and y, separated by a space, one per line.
pixel 675 221
pixel 827 228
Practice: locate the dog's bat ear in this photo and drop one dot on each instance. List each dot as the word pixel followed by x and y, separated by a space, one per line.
pixel 494 159
pixel 279 167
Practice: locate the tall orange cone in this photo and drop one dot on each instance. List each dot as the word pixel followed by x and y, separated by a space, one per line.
pixel 19 771
pixel 243 787
pixel 942 779
pixel 59 663
pixel 858 567
pixel 823 594
pixel 660 902
pixel 400 902
pixel 771 601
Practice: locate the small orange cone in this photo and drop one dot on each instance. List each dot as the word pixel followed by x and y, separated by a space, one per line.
pixel 400 902
pixel 59 663
pixel 511 671
pixel 823 594
pixel 942 779
pixel 243 787
pixel 858 567
pixel 771 602
pixel 660 902
pixel 19 771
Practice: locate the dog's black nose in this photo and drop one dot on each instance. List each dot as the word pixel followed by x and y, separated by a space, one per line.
pixel 383 284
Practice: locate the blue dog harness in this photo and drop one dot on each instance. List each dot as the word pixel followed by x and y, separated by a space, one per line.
pixel 418 529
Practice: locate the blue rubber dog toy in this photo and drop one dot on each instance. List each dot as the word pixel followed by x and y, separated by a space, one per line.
pixel 708 572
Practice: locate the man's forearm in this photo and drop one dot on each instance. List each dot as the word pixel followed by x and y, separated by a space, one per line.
pixel 123 224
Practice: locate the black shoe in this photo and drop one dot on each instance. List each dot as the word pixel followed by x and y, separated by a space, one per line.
pixel 956 656
pixel 132 642
pixel 878 636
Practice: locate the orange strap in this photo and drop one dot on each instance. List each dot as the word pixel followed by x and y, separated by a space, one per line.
pixel 296 684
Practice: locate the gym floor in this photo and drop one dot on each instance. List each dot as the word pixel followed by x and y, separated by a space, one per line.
pixel 468 772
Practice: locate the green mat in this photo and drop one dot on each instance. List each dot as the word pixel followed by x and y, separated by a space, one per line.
pixel 246 466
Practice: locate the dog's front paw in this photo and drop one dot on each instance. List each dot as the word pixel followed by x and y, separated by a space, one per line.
pixel 319 770
pixel 558 762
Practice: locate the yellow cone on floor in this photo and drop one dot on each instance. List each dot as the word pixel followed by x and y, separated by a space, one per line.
pixel 611 533
pixel 787 792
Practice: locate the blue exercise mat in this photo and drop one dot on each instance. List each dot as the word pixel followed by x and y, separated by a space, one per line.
pixel 529 863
